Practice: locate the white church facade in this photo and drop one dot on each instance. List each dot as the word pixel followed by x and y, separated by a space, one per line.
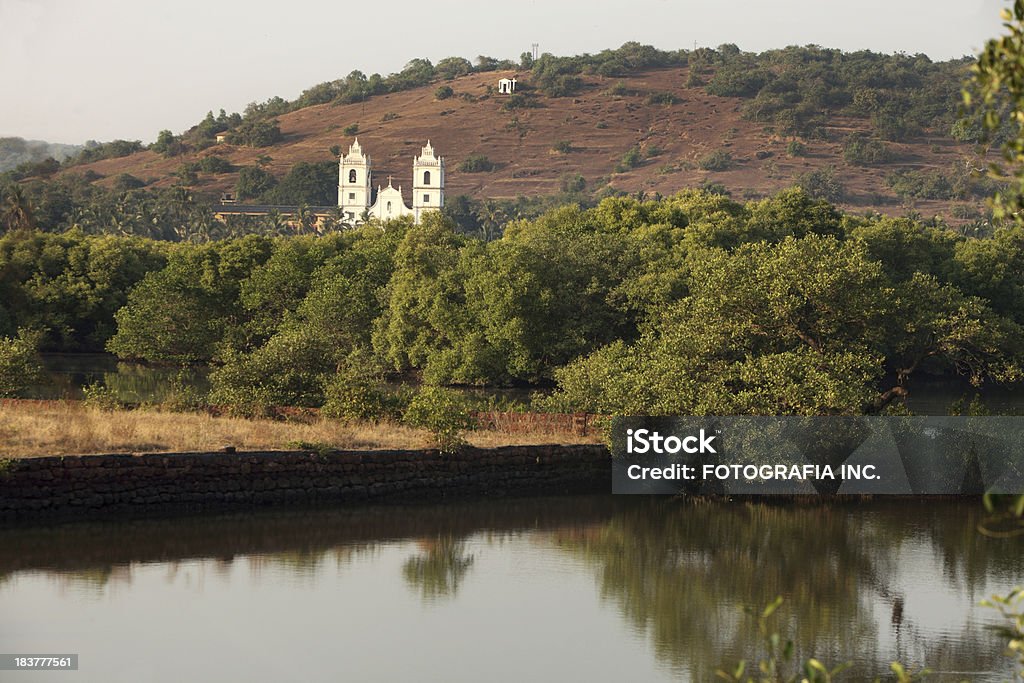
pixel 356 198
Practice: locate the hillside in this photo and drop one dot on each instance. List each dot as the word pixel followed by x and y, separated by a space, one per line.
pixel 601 123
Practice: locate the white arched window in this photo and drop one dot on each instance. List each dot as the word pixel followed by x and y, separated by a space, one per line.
pixel 352 176
pixel 389 207
pixel 426 177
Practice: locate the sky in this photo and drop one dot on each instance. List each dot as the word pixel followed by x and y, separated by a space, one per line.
pixel 75 70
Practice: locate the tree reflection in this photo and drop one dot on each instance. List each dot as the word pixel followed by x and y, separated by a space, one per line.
pixel 683 573
pixel 439 569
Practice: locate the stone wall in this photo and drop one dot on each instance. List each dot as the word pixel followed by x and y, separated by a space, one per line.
pixel 93 485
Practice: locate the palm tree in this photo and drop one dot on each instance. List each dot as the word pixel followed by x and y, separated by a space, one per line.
pixel 492 216
pixel 17 211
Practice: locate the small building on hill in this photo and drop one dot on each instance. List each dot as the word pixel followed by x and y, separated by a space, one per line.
pixel 506 86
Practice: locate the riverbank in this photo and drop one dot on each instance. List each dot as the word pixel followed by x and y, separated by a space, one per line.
pixel 42 428
pixel 101 485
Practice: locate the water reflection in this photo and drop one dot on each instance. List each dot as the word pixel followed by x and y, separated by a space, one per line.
pixel 66 374
pixel 867 584
pixel 437 571
pixel 657 584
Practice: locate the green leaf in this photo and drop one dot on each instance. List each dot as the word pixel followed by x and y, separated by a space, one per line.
pixel 770 609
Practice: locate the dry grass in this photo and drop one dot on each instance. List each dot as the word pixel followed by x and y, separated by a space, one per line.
pixel 38 428
pixel 697 125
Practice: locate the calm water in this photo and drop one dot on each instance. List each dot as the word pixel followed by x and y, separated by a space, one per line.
pixel 574 589
pixel 66 374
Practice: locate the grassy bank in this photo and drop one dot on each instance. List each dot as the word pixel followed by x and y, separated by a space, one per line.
pixel 38 428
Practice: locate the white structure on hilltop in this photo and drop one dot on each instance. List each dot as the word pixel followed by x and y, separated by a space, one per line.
pixel 506 86
pixel 356 199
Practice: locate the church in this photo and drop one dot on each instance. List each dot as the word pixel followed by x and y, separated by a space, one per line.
pixel 356 198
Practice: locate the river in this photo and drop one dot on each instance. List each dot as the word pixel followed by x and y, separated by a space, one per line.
pixel 573 588
pixel 66 374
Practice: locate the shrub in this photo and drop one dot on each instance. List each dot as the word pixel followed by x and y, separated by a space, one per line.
pixel 476 163
pixel 967 130
pixel 822 184
pixel 215 164
pixel 573 183
pixel 662 98
pixel 519 101
pixel 562 146
pixel 862 150
pixel 601 125
pixel 893 127
pixel 19 363
pixel 719 160
pixel 351 397
pixel 356 391
pixel 562 86
pixel 444 92
pixel 98 395
pixel 389 116
pixel 257 133
pixel 126 181
pixel 714 188
pixel 620 89
pixel 631 159
pixel 444 413
pixel 966 211
pixel 921 184
pixel 183 396
pixel 350 129
pixel 289 370
pixel 795 148
pixel 187 174
pixel 738 81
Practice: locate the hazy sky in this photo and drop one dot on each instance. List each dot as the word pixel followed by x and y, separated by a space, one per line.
pixel 72 70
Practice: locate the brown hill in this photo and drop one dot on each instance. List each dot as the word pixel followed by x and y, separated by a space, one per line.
pixel 599 126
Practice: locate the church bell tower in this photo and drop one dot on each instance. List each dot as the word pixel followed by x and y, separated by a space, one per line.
pixel 427 182
pixel 354 182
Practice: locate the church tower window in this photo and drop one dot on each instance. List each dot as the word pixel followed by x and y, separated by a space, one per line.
pixel 352 176
pixel 426 177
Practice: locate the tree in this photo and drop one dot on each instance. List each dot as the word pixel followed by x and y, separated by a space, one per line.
pixel 167 144
pixel 126 182
pixel 19 363
pixel 314 184
pixel 453 67
pixel 257 132
pixel 17 211
pixel 806 326
pixel 254 182
pixel 476 163
pixel 426 313
pixel 181 313
pixel 998 84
